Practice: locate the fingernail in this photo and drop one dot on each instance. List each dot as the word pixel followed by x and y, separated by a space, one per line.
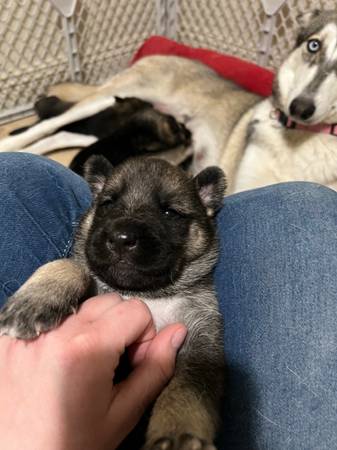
pixel 178 338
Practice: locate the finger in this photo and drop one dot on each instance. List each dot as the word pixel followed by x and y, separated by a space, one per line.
pixel 138 351
pixel 94 307
pixel 126 323
pixel 90 311
pixel 143 385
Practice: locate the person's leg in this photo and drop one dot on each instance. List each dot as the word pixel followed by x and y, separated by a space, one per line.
pixel 276 279
pixel 277 285
pixel 40 205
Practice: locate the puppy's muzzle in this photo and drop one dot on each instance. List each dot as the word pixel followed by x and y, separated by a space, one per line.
pixel 132 238
pixel 124 238
pixel 130 253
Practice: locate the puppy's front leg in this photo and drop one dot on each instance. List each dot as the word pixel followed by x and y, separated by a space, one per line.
pixel 52 293
pixel 186 414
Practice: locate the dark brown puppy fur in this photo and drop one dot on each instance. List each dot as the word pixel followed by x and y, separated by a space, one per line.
pixel 149 232
pixel 131 127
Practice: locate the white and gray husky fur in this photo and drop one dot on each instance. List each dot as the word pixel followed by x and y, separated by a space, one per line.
pixel 230 127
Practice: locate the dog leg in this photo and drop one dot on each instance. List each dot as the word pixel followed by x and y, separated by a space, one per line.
pixel 52 293
pixel 63 139
pixel 49 126
pixel 186 414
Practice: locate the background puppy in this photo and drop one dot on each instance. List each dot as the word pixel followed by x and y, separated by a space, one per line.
pixel 130 127
pixel 151 233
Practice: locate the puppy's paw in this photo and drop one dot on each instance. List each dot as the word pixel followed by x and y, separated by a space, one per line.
pixel 163 131
pixel 26 318
pixel 181 442
pixel 175 133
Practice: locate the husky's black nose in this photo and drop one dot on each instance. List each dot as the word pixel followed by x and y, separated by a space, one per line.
pixel 302 108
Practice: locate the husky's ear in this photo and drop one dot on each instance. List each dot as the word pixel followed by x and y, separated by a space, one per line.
pixel 211 185
pixel 305 18
pixel 96 171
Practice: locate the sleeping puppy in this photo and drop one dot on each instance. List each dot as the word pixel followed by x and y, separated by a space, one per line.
pixel 131 127
pixel 145 132
pixel 150 233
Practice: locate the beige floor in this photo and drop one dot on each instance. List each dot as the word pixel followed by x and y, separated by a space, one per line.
pixel 62 156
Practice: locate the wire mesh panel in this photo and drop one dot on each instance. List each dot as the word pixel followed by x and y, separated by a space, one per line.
pixel 34 45
pixel 286 26
pixel 32 52
pixel 228 26
pixel 109 33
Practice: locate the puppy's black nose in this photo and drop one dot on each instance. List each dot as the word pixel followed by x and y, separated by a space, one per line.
pixel 123 239
pixel 126 238
pixel 302 108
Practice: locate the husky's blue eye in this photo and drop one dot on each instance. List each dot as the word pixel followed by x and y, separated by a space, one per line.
pixel 314 45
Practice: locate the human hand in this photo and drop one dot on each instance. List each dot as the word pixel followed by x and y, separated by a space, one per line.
pixel 57 393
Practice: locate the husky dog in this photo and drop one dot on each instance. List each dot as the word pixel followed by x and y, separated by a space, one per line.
pixel 293 135
pixel 150 233
pixel 234 129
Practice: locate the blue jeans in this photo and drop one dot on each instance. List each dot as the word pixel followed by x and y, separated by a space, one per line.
pixel 276 281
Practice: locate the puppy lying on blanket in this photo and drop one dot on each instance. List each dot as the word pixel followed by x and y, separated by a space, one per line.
pixel 150 233
pixel 230 127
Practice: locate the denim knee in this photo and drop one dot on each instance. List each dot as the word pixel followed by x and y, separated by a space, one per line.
pixel 41 203
pixel 26 168
pixel 263 229
pixel 277 288
pixel 294 197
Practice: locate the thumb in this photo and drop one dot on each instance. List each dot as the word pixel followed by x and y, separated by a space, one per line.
pixel 147 380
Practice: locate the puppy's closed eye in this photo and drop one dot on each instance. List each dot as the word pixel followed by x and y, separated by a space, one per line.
pixel 172 213
pixel 108 200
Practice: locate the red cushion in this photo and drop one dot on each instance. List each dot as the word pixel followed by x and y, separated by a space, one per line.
pixel 244 73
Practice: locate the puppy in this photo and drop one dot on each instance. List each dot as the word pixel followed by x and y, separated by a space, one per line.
pixel 150 233
pixel 144 131
pixel 131 127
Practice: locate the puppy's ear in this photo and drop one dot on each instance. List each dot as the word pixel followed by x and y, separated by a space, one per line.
pixel 305 18
pixel 211 185
pixel 96 171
